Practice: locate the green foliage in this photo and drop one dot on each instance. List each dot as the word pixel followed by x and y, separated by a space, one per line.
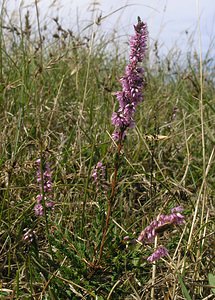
pixel 184 289
pixel 211 279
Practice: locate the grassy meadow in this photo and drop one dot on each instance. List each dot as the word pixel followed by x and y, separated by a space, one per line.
pixel 56 100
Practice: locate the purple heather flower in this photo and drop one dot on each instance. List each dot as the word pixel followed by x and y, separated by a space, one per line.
pixel 119 120
pixel 118 135
pixel 50 204
pixel 160 224
pixel 177 209
pixel 132 83
pixel 98 175
pixel 39 198
pixel 38 209
pixel 98 172
pixel 160 252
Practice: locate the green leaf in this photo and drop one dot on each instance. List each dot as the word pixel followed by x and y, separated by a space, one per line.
pixel 3 294
pixel 211 279
pixel 184 289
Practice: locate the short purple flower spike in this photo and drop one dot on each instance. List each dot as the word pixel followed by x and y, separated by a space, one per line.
pixel 132 83
pixel 98 175
pixel 149 233
pixel 159 225
pixel 98 172
pixel 160 252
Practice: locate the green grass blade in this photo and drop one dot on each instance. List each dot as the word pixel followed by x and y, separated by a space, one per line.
pixel 211 280
pixel 184 289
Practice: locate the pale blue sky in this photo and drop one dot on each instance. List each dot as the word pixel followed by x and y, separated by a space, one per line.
pixel 167 19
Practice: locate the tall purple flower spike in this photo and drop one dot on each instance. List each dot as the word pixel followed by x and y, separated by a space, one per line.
pixel 132 83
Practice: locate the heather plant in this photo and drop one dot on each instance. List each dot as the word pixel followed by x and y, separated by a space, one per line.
pixel 117 229
pixel 130 96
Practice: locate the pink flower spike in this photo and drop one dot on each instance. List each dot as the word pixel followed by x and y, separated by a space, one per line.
pixel 98 175
pixel 132 83
pixel 160 252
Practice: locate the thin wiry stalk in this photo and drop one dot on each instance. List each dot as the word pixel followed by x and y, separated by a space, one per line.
pixel 47 228
pixel 182 182
pixel 199 198
pixel 201 107
pixel 110 200
pixel 40 35
pixel 154 272
pixel 202 196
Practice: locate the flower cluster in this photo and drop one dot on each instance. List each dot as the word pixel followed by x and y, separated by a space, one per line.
pixel 45 183
pixel 99 175
pixel 162 222
pixel 159 252
pixel 159 225
pixel 132 83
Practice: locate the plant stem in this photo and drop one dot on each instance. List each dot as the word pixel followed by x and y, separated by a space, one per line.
pixel 111 198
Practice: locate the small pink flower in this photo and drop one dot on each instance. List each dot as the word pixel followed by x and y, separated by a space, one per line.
pixel 98 172
pixel 177 209
pixel 38 209
pixel 160 252
pixel 39 198
pixel 50 204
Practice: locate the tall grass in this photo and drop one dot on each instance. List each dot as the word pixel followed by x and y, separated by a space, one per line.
pixel 57 97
